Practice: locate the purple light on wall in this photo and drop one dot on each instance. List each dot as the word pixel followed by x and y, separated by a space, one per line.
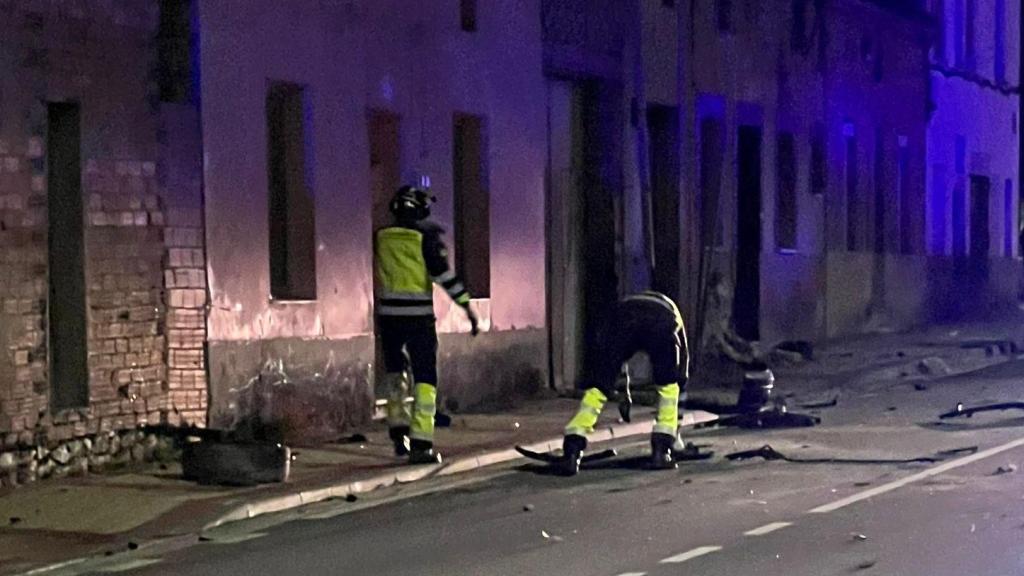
pixel 1000 42
pixel 1009 219
pixel 937 204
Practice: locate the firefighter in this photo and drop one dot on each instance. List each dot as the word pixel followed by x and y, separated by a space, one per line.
pixel 410 256
pixel 646 322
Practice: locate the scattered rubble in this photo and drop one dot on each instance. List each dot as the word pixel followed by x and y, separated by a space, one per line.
pixel 933 366
pixel 528 508
pixel 1008 469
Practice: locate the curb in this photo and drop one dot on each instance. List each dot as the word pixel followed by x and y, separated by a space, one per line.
pixel 415 474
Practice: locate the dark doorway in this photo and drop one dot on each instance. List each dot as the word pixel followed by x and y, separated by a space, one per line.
pixel 663 129
pixel 980 240
pixel 69 370
pixel 583 172
pixel 711 158
pixel 747 299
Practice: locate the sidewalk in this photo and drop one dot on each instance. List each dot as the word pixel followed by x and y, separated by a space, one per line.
pixel 54 521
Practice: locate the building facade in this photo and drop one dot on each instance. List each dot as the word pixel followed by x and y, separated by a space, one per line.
pixel 973 149
pixel 186 228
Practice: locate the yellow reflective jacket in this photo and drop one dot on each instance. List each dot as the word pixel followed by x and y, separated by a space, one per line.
pixel 408 259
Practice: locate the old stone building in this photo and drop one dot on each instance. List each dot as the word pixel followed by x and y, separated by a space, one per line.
pixel 101 264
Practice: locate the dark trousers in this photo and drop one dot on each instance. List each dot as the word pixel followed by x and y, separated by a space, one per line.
pixel 662 345
pixel 410 342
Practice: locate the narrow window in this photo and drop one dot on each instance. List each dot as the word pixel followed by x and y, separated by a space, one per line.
pixel 292 218
pixel 904 201
pixel 819 167
pixel 853 213
pixel 69 371
pixel 785 196
pixel 723 15
pixel 472 205
pixel 174 51
pixel 467 15
pixel 1000 42
pixel 1009 219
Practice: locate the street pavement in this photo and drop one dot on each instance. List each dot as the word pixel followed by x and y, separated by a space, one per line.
pixel 964 514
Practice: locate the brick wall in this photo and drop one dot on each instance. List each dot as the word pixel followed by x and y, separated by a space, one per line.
pixel 145 282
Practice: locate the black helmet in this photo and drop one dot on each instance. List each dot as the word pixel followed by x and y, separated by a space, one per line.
pixel 411 203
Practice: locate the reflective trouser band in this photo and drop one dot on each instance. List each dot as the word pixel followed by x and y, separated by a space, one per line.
pixel 423 410
pixel 668 410
pixel 397 387
pixel 418 310
pixel 586 417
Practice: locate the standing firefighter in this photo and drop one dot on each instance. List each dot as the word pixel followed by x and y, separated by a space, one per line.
pixel 646 322
pixel 410 255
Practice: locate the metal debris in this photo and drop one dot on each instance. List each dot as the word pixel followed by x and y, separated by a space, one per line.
pixel 528 508
pixel 959 410
pixel 817 405
pixel 769 453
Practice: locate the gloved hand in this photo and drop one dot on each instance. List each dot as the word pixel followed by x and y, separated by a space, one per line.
pixel 474 323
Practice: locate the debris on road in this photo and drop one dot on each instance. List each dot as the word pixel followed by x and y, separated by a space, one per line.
pixel 818 405
pixel 920 386
pixel 1008 469
pixel 769 453
pixel 551 537
pixel 959 410
pixel 776 418
pixel 867 565
pixel 933 366
pixel 860 537
pixel 528 508
pixel 354 439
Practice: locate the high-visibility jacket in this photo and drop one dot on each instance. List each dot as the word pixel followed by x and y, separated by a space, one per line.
pixel 410 257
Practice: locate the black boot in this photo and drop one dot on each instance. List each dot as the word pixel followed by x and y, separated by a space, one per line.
pixel 422 452
pixel 572 454
pixel 400 438
pixel 661 451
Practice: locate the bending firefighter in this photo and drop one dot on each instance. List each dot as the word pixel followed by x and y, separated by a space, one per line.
pixel 410 256
pixel 647 322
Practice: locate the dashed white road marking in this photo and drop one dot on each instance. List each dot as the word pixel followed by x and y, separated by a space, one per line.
pixel 767 529
pixel 878 490
pixel 696 552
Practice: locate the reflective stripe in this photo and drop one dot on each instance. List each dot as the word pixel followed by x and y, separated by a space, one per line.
pixel 659 299
pixel 463 299
pixel 426 310
pixel 668 409
pixel 417 297
pixel 397 387
pixel 423 411
pixel 454 291
pixel 446 277
pixel 586 416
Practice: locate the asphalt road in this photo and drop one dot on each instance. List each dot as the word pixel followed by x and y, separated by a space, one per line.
pixel 717 517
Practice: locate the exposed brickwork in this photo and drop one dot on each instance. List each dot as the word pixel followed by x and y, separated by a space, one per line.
pixel 144 261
